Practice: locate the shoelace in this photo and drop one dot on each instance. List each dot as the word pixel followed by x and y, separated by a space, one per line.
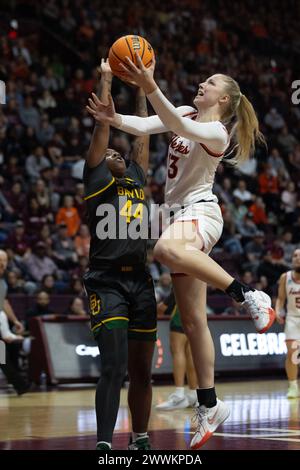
pixel 199 416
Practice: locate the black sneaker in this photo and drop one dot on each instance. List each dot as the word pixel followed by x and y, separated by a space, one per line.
pixel 142 443
pixel 102 446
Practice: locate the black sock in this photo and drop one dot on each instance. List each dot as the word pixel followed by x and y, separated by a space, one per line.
pixel 236 290
pixel 207 397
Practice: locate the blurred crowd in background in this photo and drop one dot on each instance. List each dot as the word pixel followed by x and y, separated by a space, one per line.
pixel 49 58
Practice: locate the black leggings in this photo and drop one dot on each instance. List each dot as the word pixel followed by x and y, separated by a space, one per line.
pixel 113 347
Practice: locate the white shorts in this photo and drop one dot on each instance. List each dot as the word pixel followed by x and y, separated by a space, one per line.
pixel 292 328
pixel 209 221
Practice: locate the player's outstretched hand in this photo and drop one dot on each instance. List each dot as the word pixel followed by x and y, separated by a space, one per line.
pixel 139 74
pixel 101 112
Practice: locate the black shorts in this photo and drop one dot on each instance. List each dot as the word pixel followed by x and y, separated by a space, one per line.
pixel 120 298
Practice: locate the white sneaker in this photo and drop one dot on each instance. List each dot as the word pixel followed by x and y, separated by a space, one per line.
pixel 293 391
pixel 208 419
pixel 174 402
pixel 258 304
pixel 191 395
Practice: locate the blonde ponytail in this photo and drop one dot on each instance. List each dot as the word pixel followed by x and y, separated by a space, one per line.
pixel 245 132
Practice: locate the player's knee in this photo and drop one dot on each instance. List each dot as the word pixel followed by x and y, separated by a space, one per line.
pixel 165 252
pixel 115 369
pixel 193 322
pixel 141 377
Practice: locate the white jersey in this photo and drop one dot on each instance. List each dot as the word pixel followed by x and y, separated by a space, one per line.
pixel 191 169
pixel 195 150
pixel 293 295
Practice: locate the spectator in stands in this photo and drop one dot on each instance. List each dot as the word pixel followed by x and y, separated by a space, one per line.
pixel 82 241
pixel 18 240
pixel 242 193
pixel 46 131
pixel 76 307
pixel 39 264
pixel 14 284
pixel 44 235
pixel 249 168
pixel 258 211
pixel 276 163
pixel 47 101
pixel 50 285
pixel 29 114
pixel 49 81
pixel 247 227
pixel 41 306
pixel 76 287
pixel 274 120
pixel 12 169
pixel 68 215
pixel 29 140
pixel 35 163
pixel 6 211
pixel 286 140
pixel 286 243
pixel 225 191
pixel 289 203
pixel 35 217
pixel 254 250
pixel 269 188
pixel 238 210
pixel 81 267
pixel 248 278
pixel 63 248
pixel 16 198
pixel 41 192
pixel 271 267
pixel 231 239
pixel 262 283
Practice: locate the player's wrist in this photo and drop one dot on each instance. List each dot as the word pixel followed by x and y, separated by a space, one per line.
pixel 150 86
pixel 107 77
pixel 117 122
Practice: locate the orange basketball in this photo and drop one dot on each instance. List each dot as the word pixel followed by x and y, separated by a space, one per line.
pixel 127 46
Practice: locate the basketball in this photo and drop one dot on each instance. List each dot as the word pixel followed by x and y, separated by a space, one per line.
pixel 127 46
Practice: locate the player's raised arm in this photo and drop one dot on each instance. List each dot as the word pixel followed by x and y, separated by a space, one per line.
pixel 140 152
pixel 281 299
pixel 104 113
pixel 209 133
pixel 100 137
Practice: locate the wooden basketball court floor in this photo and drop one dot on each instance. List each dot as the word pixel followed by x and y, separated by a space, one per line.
pixel 261 418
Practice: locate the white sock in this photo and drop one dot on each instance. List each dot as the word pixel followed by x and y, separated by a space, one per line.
pixel 138 435
pixel 179 392
pixel 191 393
pixel 104 442
pixel 293 383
